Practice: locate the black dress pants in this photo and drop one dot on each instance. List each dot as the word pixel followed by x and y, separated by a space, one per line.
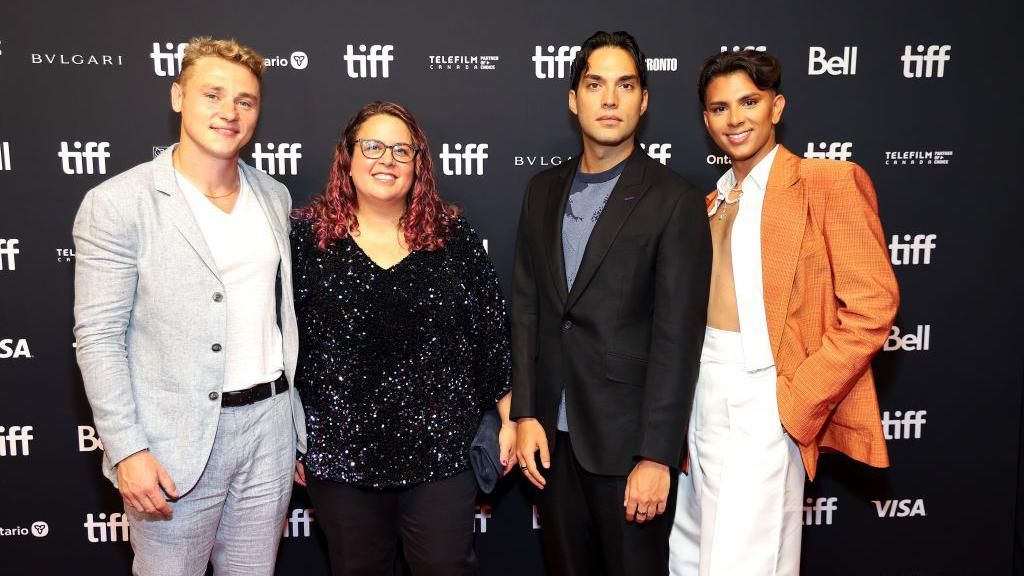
pixel 584 528
pixel 433 519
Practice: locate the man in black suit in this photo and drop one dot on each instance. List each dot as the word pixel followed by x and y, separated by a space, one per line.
pixel 609 301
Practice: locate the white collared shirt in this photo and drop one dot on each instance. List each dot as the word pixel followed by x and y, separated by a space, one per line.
pixel 746 262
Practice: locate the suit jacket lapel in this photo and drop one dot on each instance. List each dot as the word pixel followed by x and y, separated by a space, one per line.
pixel 553 214
pixel 624 197
pixel 179 209
pixel 783 218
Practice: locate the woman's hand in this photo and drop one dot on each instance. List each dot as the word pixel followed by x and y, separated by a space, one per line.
pixel 507 445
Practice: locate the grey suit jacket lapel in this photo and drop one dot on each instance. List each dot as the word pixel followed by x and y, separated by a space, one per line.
pixel 181 213
pixel 624 197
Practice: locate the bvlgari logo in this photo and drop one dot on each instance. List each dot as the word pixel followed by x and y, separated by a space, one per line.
pixel 77 59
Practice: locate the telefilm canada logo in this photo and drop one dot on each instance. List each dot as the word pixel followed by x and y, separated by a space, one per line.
pixel 167 57
pixel 298 60
pixel 463 160
pixel 369 61
pixel 65 255
pixel 39 529
pixel 918 157
pixel 462 62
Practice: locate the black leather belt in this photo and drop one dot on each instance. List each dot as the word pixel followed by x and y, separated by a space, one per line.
pixel 254 394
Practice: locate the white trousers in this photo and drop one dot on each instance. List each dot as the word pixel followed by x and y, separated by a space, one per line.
pixel 739 511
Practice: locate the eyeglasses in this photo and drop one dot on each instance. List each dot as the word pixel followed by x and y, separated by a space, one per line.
pixel 374 149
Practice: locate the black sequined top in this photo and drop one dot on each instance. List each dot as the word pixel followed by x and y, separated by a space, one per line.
pixel 396 365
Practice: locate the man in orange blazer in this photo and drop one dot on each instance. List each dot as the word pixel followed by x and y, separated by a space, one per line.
pixel 802 297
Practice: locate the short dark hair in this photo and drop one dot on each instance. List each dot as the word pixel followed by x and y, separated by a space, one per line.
pixel 765 70
pixel 602 39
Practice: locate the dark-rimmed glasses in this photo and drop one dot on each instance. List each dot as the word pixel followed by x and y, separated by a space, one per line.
pixel 374 149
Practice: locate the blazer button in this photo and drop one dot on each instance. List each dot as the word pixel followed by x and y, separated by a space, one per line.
pixel 566 326
pixel 214 395
pixel 216 347
pixel 217 296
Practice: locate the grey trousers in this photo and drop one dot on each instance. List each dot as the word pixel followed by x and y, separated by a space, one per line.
pixel 235 514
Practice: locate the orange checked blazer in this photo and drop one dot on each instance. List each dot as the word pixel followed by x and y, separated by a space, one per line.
pixel 830 297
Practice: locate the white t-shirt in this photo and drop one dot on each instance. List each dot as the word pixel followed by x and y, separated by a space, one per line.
pixel 247 257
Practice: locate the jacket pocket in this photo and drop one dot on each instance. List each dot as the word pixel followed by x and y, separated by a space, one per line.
pixel 625 369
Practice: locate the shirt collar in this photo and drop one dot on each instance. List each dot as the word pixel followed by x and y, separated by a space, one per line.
pixel 754 184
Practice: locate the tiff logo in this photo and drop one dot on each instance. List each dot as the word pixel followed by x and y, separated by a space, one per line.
pixel 283 161
pixel 357 63
pixel 167 63
pixel 903 425
pixel 5 157
pixel 913 249
pixel 14 437
pixel 114 529
pixel 738 48
pixel 899 508
pixel 911 341
pixel 483 513
pixel 298 523
pixel 818 511
pixel 659 152
pixel 72 161
pixel 459 162
pixel 8 250
pixel 553 64
pixel 88 440
pixel 19 350
pixel 922 64
pixel 830 150
pixel 845 65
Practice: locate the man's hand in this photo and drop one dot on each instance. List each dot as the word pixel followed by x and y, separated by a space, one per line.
pixel 140 478
pixel 507 437
pixel 646 491
pixel 531 439
pixel 300 474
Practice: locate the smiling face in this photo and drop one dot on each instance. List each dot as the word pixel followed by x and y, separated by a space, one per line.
pixel 741 118
pixel 383 179
pixel 608 100
pixel 219 103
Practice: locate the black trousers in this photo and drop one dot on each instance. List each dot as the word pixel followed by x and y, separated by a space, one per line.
pixel 434 521
pixel 584 528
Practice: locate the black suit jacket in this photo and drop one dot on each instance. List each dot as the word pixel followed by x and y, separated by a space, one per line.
pixel 626 341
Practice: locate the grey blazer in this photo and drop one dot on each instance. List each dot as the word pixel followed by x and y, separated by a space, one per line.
pixel 146 318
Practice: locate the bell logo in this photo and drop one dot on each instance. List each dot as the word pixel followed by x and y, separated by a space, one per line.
pixel 899 508
pixel 830 151
pixel 738 48
pixel 659 152
pixel 13 438
pixel 11 348
pixel 8 250
pixel 845 65
pixel 903 425
pixel 298 523
pixel 922 63
pixel 483 513
pixel 911 341
pixel 553 64
pixel 5 157
pixel 818 511
pixel 167 63
pixel 459 162
pixel 913 249
pixel 283 161
pixel 357 63
pixel 72 162
pixel 88 441
pixel 114 529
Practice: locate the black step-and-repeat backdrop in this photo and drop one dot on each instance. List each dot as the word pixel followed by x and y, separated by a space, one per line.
pixel 922 94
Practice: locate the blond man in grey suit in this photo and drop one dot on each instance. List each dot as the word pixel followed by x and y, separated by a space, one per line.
pixel 186 332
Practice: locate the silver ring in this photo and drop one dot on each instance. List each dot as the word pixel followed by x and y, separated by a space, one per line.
pixel 639 513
